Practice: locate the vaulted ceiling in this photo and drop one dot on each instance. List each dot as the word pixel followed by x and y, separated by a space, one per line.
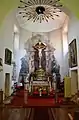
pixel 7 5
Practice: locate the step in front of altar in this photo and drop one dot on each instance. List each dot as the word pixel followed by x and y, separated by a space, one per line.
pixel 40 83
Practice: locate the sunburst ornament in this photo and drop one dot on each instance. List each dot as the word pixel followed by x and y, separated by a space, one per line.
pixel 39 10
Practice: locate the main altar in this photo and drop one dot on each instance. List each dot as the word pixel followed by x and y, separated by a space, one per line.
pixel 40 80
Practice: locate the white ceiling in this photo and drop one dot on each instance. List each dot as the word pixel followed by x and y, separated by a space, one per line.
pixel 43 26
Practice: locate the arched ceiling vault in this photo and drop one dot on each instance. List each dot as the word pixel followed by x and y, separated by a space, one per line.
pixel 7 5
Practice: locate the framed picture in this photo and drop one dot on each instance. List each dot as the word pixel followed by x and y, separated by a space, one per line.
pixel 1 62
pixel 8 56
pixel 73 54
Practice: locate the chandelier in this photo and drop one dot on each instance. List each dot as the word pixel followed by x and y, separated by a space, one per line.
pixel 40 10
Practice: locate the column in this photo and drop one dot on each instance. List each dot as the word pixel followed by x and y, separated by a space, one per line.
pixel 47 61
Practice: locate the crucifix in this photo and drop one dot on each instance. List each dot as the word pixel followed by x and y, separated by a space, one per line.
pixel 40 46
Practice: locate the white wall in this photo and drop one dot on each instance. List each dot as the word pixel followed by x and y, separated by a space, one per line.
pixel 73 29
pixel 6 41
pixel 73 32
pixel 55 38
pixel 24 36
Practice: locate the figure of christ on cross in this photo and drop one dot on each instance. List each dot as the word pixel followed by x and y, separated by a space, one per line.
pixel 40 46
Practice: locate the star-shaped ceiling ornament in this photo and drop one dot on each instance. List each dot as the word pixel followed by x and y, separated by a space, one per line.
pixel 39 10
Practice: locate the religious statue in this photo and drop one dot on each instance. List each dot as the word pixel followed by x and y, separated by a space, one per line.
pixel 55 70
pixel 24 69
pixel 40 47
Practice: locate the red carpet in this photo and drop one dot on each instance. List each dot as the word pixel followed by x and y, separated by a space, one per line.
pixel 20 100
pixel 40 105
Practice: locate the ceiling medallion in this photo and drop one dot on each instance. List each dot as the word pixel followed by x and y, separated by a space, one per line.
pixel 39 10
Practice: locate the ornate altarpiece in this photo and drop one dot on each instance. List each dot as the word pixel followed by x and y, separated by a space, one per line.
pixel 40 59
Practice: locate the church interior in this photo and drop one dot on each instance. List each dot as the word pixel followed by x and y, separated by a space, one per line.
pixel 39 60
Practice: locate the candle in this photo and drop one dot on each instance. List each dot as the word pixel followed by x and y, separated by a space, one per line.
pixel 48 79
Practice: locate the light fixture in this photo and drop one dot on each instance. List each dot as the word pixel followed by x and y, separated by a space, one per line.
pixel 40 10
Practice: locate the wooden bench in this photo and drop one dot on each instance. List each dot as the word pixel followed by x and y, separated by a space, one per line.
pixel 70 116
pixel 1 96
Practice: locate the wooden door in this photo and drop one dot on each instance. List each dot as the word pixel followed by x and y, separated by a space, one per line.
pixel 7 84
